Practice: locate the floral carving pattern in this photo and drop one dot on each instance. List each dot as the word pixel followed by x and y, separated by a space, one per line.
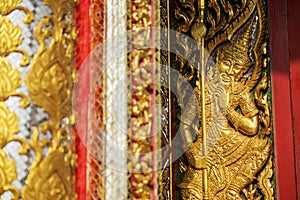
pixel 10 40
pixel 8 6
pixel 50 83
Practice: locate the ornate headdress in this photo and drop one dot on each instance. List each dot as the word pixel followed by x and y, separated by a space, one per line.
pixel 238 51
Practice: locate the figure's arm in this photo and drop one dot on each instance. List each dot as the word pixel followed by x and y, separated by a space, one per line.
pixel 188 118
pixel 247 125
pixel 186 136
pixel 189 129
pixel 247 121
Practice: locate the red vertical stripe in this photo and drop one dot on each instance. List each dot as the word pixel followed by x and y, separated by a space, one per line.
pixel 153 100
pixel 83 50
pixel 284 151
pixel 294 49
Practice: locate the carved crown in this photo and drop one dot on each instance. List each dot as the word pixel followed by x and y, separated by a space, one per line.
pixel 238 51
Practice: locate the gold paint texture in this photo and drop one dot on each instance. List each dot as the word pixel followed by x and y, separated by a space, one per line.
pixel 140 164
pixel 236 104
pixel 50 83
pixel 10 39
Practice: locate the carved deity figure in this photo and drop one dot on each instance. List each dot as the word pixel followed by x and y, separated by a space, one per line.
pixel 235 153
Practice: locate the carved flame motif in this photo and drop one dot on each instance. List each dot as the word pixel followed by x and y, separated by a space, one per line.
pixel 7 175
pixel 50 83
pixel 8 6
pixel 9 127
pixel 10 79
pixel 10 39
pixel 10 36
pixel 50 179
pixel 61 7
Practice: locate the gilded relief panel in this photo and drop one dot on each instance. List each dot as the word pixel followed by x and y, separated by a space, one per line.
pixel 223 109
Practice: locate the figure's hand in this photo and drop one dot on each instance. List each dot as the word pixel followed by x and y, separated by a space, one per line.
pixel 202 162
pixel 222 101
pixel 221 97
pixel 227 101
pixel 233 102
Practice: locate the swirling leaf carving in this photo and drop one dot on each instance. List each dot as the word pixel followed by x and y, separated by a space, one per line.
pixel 10 79
pixel 50 84
pixel 8 125
pixel 264 181
pixel 10 36
pixel 7 6
pixel 10 39
pixel 61 7
pixel 8 174
pixel 50 179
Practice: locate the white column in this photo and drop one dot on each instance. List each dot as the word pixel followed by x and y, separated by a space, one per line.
pixel 115 169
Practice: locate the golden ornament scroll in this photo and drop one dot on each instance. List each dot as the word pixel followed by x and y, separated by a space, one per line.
pixel 50 84
pixel 10 40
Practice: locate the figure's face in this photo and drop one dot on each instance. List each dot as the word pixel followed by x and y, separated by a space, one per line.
pixel 229 71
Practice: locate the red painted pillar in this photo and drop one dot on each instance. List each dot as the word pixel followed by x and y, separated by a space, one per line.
pixel 294 52
pixel 282 106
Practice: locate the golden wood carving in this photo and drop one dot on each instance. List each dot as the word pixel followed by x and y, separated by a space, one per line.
pixel 10 39
pixel 10 81
pixel 8 175
pixel 165 179
pixel 50 83
pixel 228 152
pixel 264 181
pixel 8 6
pixel 8 128
pixel 140 164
